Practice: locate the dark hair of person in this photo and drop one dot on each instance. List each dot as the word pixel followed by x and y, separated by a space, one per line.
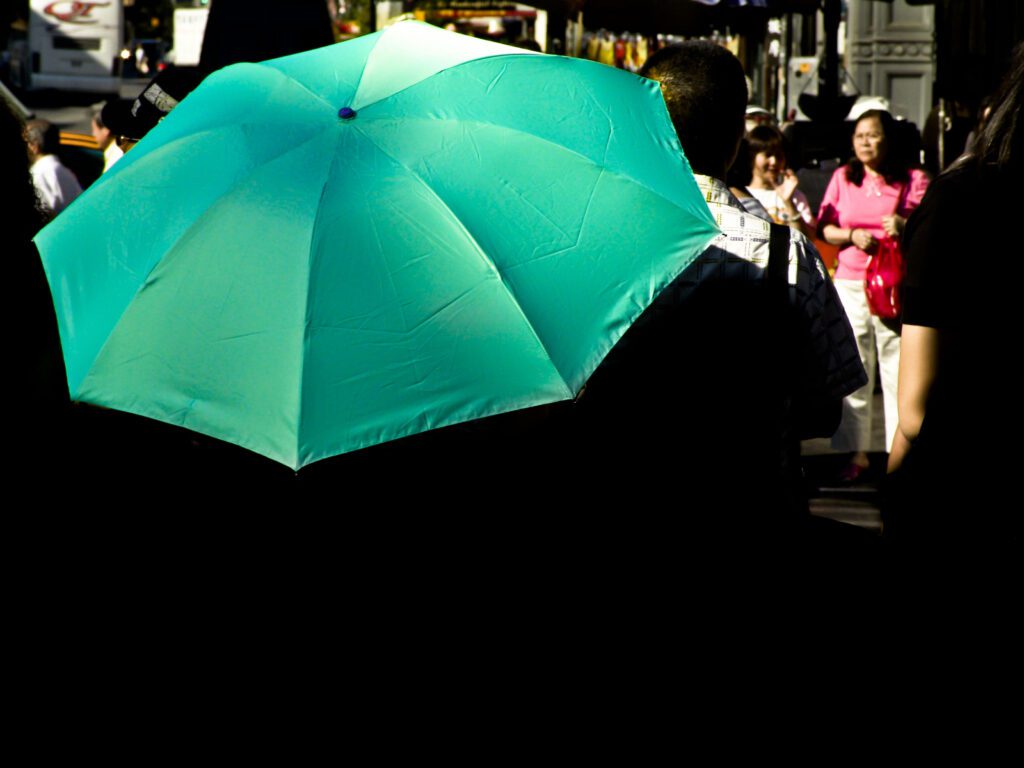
pixel 893 167
pixel 1002 141
pixel 741 172
pixel 44 135
pixel 767 139
pixel 705 91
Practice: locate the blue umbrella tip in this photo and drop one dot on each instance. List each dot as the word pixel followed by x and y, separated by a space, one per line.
pixel 346 113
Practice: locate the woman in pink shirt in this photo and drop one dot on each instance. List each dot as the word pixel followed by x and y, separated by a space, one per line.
pixel 867 199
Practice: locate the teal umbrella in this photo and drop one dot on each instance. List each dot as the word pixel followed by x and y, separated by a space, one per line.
pixel 408 230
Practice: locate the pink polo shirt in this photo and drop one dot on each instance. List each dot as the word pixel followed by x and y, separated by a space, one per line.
pixel 863 207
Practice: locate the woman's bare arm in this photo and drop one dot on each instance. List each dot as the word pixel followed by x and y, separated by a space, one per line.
pixel 919 358
pixel 836 235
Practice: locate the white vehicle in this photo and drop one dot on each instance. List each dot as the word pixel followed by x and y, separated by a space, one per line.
pixel 74 45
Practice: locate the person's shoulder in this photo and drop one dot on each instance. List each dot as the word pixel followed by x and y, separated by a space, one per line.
pixel 44 163
pixel 964 176
pixel 804 254
pixel 838 175
pixel 955 187
pixel 753 206
pixel 836 187
pixel 919 179
pixel 763 194
pixel 800 244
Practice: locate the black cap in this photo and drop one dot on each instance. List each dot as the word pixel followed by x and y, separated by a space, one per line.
pixel 134 119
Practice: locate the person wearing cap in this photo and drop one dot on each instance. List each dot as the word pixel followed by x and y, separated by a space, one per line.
pixel 130 120
pixel 56 185
pixel 756 116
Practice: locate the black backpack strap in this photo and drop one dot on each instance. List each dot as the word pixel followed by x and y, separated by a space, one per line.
pixel 777 278
pixel 778 259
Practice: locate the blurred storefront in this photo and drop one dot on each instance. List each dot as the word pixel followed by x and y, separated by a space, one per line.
pixel 503 22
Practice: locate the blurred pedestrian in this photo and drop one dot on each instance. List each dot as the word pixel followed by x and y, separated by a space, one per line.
pixel 774 184
pixel 757 115
pixel 131 120
pixel 55 184
pixel 22 215
pixel 866 200
pixel 955 454
pixel 105 140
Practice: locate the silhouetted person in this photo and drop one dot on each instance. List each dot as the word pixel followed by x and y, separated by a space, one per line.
pixel 130 120
pixel 698 411
pixel 257 30
pixel 105 140
pixel 955 452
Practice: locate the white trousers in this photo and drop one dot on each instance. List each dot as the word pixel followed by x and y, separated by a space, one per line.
pixel 878 343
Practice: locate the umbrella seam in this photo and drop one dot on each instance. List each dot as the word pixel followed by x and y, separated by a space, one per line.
pixel 306 313
pixel 290 79
pixel 487 259
pixel 362 70
pixel 686 207
pixel 524 55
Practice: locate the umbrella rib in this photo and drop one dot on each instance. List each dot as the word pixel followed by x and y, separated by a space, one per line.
pixel 362 71
pixel 480 251
pixel 522 132
pixel 289 79
pixel 306 314
pixel 453 66
pixel 202 217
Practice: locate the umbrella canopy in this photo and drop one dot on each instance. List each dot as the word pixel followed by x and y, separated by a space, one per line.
pixel 404 231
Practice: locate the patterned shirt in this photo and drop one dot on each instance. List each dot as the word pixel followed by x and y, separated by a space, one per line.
pixel 831 363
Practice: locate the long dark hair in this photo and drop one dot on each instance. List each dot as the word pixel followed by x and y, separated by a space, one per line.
pixel 1002 141
pixel 894 166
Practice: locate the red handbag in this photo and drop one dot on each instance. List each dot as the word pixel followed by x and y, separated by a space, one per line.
pixel 883 283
